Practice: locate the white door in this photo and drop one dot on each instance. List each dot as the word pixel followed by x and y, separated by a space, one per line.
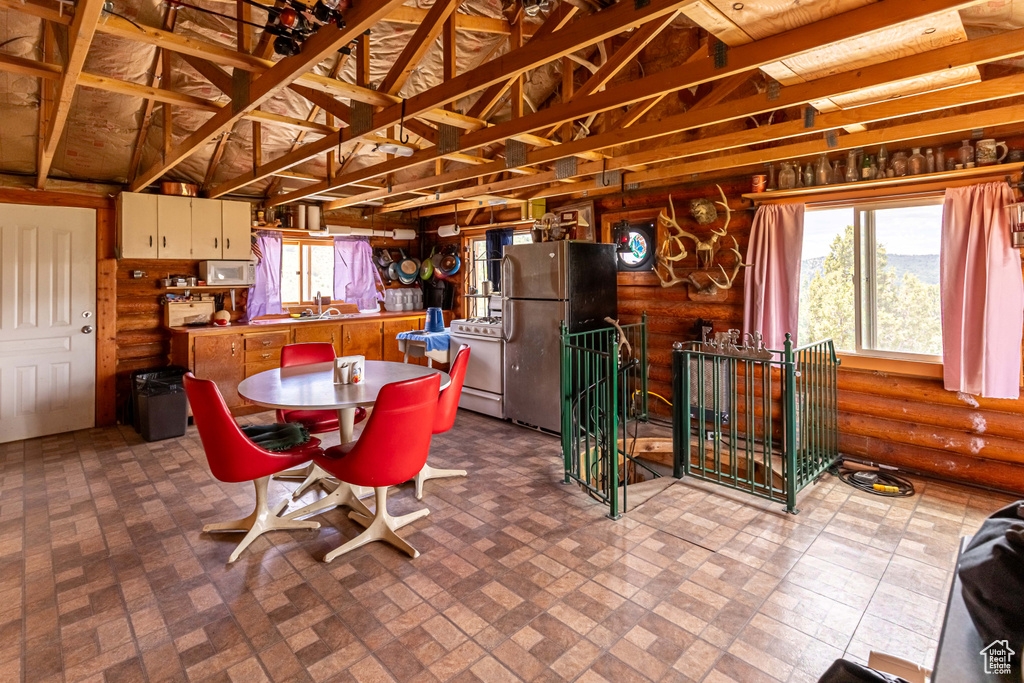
pixel 237 241
pixel 207 242
pixel 47 338
pixel 174 226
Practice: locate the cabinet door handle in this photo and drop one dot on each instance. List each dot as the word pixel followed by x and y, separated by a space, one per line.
pixel 232 349
pixel 227 242
pixel 214 242
pixel 150 240
pixel 165 240
pixel 332 337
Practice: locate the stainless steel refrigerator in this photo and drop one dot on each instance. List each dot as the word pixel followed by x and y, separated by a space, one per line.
pixel 544 284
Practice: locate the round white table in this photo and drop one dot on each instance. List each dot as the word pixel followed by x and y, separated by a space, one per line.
pixel 312 387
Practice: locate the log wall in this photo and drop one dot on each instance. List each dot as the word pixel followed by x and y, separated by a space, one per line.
pixel 909 422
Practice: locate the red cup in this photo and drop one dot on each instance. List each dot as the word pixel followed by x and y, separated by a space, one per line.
pixel 757 183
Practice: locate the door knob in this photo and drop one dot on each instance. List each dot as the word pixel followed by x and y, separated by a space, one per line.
pixel 87 329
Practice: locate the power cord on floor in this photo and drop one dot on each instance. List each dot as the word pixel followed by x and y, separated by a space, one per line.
pixel 873 481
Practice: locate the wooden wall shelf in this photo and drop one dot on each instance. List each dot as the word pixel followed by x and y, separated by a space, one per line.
pixel 222 287
pixel 913 183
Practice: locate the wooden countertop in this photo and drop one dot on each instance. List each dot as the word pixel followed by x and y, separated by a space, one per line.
pixel 271 326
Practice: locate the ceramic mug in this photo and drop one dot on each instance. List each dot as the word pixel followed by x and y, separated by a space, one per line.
pixel 986 152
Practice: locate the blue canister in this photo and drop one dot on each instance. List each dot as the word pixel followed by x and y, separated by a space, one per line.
pixel 435 320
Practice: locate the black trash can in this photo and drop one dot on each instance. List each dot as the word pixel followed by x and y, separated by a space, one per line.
pixel 160 409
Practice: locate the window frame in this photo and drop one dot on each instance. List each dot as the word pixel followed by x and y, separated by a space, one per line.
pixel 304 272
pixel 865 276
pixel 469 249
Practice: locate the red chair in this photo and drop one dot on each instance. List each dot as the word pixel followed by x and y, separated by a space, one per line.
pixel 316 421
pixel 447 408
pixel 392 449
pixel 233 458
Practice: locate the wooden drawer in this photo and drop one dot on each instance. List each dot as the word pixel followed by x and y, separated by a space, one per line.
pixel 254 368
pixel 270 340
pixel 263 355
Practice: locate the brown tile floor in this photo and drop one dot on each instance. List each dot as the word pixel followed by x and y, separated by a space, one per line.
pixel 104 574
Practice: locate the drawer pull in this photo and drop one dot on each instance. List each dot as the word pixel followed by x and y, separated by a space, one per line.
pixel 266 342
pixel 265 355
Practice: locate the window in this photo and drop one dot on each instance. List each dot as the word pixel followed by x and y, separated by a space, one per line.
pixel 477 307
pixel 307 267
pixel 870 278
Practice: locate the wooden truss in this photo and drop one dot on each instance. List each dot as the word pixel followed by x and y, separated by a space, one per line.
pixel 481 162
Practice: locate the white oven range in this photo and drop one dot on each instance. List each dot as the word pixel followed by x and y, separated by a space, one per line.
pixel 482 391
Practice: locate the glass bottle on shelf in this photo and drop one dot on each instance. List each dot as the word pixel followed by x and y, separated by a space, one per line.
pixel 883 160
pixel 822 171
pixel 965 154
pixel 875 173
pixel 771 178
pixel 837 173
pixel 808 175
pixel 799 174
pixel 899 164
pixel 929 161
pixel 940 160
pixel 865 168
pixel 787 177
pixel 851 166
pixel 916 163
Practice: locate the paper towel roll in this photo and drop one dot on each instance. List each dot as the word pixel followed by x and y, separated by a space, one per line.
pixel 448 231
pixel 404 234
pixel 313 218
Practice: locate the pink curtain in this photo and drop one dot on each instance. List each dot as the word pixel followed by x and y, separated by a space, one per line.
pixel 982 293
pixel 771 288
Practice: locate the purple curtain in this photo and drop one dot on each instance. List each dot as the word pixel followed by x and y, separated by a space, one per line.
pixel 982 293
pixel 771 288
pixel 356 280
pixel 265 294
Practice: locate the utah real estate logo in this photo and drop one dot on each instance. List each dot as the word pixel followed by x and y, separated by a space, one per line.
pixel 997 657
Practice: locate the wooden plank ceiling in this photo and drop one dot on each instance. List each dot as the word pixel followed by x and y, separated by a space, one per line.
pixel 610 117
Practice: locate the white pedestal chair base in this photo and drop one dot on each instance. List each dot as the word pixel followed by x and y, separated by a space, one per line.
pixel 429 472
pixel 343 495
pixel 262 520
pixel 380 526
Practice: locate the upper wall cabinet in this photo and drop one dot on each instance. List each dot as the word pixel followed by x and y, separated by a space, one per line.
pixel 153 226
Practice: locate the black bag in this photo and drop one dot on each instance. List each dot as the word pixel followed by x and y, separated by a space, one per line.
pixel 843 671
pixel 992 573
pixel 277 437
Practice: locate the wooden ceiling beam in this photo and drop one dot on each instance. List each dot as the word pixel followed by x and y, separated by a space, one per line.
pixel 990 48
pixel 538 51
pixel 80 33
pixel 742 59
pixel 417 47
pixel 147 109
pixel 988 91
pixel 322 44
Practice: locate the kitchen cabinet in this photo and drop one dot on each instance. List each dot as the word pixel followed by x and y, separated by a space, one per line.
pixel 174 227
pixel 136 225
pixel 221 358
pixel 207 228
pixel 361 339
pixel 236 231
pixel 389 339
pixel 319 333
pixel 153 226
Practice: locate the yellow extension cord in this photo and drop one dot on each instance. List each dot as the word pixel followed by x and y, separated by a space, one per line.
pixel 653 394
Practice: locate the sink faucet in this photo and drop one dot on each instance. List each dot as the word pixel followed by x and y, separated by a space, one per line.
pixel 319 306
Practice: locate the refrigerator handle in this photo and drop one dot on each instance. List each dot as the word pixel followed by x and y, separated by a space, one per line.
pixel 507 323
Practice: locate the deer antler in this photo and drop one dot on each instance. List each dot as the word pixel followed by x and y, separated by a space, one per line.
pixel 729 279
pixel 728 213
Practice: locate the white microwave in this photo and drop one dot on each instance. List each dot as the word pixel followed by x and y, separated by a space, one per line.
pixel 241 273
